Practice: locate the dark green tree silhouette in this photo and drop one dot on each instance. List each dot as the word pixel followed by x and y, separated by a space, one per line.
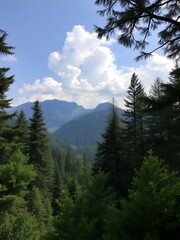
pixel 39 152
pixel 90 208
pixel 136 20
pixel 164 109
pixel 109 157
pixel 15 173
pixel 6 130
pixel 21 124
pixel 134 122
pixel 152 210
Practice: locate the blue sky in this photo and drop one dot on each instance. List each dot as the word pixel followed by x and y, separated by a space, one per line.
pixel 57 54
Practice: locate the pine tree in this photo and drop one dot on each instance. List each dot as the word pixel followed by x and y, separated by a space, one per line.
pixel 15 177
pixel 90 208
pixel 15 173
pixel 6 130
pixel 39 153
pixel 163 121
pixel 134 122
pixel 36 207
pixel 135 21
pixel 171 102
pixel 21 124
pixel 156 120
pixel 152 210
pixel 109 155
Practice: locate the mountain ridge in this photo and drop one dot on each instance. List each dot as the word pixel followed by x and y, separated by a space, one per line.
pixel 56 112
pixel 72 123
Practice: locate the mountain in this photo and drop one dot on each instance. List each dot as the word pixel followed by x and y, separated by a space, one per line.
pixel 72 123
pixel 56 112
pixel 103 106
pixel 86 130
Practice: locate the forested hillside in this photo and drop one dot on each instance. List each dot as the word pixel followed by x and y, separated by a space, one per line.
pixel 131 189
pixel 87 129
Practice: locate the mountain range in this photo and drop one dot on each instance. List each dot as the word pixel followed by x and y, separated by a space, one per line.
pixel 56 112
pixel 73 124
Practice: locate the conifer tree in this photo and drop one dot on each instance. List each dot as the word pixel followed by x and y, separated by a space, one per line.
pixel 156 121
pixel 152 209
pixel 15 173
pixel 90 208
pixel 171 102
pixel 109 155
pixel 39 153
pixel 22 137
pixel 6 131
pixel 136 20
pixel 15 177
pixel 163 108
pixel 133 133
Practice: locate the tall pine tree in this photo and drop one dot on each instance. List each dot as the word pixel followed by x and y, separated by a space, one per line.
pixel 134 122
pixel 109 155
pixel 15 173
pixel 22 137
pixel 6 130
pixel 39 153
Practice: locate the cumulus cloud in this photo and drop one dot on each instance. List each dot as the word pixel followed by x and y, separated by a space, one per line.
pixel 44 89
pixel 88 74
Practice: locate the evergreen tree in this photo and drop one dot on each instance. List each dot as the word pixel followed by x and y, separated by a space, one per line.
pixel 19 227
pixel 90 208
pixel 134 122
pixel 15 177
pixel 22 137
pixel 163 108
pixel 68 166
pixel 15 173
pixel 58 178
pixel 152 210
pixel 171 102
pixel 6 130
pixel 157 120
pixel 136 20
pixel 4 48
pixel 39 153
pixel 109 157
pixel 36 207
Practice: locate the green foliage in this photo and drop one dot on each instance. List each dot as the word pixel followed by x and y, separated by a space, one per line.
pixel 15 176
pixel 39 153
pixel 19 227
pixel 4 48
pixel 109 157
pixel 36 206
pixel 112 230
pixel 133 146
pixel 22 137
pixel 6 130
pixel 89 209
pixel 163 109
pixel 151 212
pixel 136 20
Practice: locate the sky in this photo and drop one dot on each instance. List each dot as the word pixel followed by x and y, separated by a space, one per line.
pixel 57 54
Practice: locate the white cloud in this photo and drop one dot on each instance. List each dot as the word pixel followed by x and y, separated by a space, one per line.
pixel 88 74
pixel 44 89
